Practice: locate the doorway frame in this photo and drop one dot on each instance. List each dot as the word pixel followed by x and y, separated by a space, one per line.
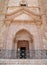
pixel 18 50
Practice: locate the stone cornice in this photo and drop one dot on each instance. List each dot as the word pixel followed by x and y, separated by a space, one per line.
pixel 8 22
pixel 13 7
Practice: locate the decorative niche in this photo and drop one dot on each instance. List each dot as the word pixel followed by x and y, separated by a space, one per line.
pixel 23 3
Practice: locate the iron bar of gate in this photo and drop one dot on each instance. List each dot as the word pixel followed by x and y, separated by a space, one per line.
pixel 32 54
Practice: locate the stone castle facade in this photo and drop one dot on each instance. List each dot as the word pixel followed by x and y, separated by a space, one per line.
pixel 23 25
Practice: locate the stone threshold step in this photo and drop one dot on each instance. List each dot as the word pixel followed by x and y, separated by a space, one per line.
pixel 23 62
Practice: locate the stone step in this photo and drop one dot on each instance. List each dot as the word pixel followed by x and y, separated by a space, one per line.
pixel 23 62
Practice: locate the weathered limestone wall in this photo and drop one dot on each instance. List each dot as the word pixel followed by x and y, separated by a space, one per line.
pixel 3 10
pixel 43 11
pixel 5 40
pixel 6 31
pixel 17 2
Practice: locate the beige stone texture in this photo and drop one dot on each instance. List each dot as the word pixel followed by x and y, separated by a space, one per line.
pixel 32 19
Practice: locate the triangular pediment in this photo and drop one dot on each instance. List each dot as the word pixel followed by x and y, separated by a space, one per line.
pixel 23 16
pixel 23 10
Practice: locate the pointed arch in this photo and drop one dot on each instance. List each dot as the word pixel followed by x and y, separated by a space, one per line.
pixel 25 33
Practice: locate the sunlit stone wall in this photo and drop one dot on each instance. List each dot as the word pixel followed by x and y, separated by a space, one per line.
pixel 3 11
pixel 17 2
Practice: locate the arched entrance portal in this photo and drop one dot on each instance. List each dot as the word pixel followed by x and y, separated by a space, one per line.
pixel 23 43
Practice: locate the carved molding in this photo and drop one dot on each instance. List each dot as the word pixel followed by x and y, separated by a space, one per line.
pixel 8 22
pixel 13 7
pixel 23 9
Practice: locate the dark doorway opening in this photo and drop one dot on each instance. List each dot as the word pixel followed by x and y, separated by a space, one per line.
pixel 23 4
pixel 23 49
pixel 23 52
